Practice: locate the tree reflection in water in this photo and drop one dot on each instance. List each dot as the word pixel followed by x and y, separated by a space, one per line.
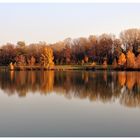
pixel 99 85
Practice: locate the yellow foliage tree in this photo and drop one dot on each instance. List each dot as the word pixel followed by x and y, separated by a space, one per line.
pixel 47 57
pixel 130 57
pixel 122 60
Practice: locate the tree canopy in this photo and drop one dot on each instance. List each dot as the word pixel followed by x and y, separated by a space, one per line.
pixel 121 51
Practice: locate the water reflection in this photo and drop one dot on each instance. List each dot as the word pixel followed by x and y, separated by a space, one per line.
pixel 96 86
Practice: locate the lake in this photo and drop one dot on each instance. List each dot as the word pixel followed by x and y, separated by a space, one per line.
pixel 69 103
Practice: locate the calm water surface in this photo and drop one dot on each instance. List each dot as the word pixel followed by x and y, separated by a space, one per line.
pixel 71 103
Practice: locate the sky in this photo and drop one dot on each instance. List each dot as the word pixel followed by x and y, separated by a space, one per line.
pixel 52 22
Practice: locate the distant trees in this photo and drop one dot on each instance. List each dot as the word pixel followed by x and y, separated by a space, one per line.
pixel 104 49
pixel 58 49
pixel 23 55
pixel 7 54
pixel 129 52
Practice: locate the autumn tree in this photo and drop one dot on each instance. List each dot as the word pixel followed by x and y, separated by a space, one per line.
pixel 131 38
pixel 74 51
pixel 122 60
pixel 104 48
pixel 78 49
pixel 47 57
pixel 34 50
pixel 138 61
pixel 67 54
pixel 58 48
pixel 31 61
pixel 20 60
pixel 130 57
pixel 117 48
pixel 7 54
pixel 91 49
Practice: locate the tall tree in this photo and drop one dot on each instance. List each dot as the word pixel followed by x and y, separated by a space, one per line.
pixel 47 57
pixel 131 38
pixel 67 54
pixel 117 49
pixel 104 49
pixel 122 60
pixel 130 57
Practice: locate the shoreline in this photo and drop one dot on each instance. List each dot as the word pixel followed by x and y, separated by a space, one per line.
pixel 68 67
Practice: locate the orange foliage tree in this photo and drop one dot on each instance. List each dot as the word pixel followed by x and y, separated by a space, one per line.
pixel 122 60
pixel 130 57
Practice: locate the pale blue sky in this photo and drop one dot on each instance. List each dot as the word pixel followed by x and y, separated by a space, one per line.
pixel 54 22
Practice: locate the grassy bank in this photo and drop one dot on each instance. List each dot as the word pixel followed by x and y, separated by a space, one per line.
pixel 56 67
pixel 70 67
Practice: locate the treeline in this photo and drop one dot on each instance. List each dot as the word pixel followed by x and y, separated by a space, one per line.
pixel 26 55
pixel 104 49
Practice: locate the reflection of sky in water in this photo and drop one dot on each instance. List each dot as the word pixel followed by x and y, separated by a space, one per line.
pixel 69 104
pixel 54 115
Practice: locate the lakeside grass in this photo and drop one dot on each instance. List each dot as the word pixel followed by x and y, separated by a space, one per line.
pixel 70 67
pixel 56 67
